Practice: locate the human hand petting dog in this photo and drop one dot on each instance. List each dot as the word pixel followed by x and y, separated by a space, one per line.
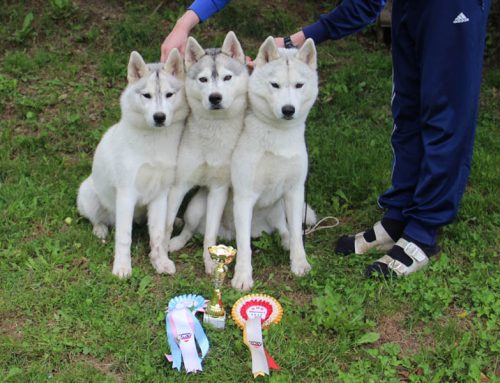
pixel 297 40
pixel 177 38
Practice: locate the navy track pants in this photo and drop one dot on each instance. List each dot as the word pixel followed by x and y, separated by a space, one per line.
pixel 437 62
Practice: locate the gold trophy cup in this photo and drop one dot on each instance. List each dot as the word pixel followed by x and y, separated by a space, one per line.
pixel 215 314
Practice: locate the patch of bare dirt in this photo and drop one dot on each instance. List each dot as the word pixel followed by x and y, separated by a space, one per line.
pixel 100 10
pixel 392 330
pixel 39 229
pixel 459 316
pixel 11 325
pixel 106 366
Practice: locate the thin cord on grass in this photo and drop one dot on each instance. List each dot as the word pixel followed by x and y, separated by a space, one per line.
pixel 318 226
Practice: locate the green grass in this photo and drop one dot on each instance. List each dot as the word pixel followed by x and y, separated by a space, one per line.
pixel 65 318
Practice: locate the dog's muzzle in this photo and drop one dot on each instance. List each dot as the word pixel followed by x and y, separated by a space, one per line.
pixel 159 118
pixel 288 112
pixel 215 100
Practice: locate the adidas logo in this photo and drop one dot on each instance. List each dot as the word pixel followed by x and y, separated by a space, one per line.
pixel 461 18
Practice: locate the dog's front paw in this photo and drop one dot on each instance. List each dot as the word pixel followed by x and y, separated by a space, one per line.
pixel 210 266
pixel 122 269
pixel 301 267
pixel 100 231
pixel 162 264
pixel 176 243
pixel 242 281
pixel 285 240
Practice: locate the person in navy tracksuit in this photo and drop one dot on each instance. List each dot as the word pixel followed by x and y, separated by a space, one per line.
pixel 437 53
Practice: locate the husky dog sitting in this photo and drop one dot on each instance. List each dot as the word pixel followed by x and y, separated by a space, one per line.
pixel 216 90
pixel 270 159
pixel 134 163
pixel 264 220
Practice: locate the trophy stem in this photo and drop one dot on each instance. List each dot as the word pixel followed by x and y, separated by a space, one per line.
pixel 215 314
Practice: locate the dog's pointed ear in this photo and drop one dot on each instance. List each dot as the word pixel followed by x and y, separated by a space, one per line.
pixel 267 52
pixel 194 52
pixel 174 64
pixel 232 47
pixel 136 68
pixel 307 54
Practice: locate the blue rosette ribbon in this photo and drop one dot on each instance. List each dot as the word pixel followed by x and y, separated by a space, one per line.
pixel 184 332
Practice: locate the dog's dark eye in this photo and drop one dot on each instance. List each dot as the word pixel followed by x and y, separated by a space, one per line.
pixel 147 95
pixel 299 85
pixel 203 79
pixel 169 94
pixel 228 77
pixel 275 85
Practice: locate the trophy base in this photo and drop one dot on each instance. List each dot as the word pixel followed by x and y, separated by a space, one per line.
pixel 216 322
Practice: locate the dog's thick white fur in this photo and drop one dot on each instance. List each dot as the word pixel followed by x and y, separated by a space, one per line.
pixel 264 220
pixel 216 90
pixel 270 159
pixel 134 163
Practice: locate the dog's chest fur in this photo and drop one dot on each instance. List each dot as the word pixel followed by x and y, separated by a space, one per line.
pixel 269 160
pixel 152 178
pixel 156 166
pixel 274 169
pixel 214 140
pixel 133 158
pixel 275 175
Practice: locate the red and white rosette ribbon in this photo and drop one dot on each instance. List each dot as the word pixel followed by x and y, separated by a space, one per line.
pixel 252 313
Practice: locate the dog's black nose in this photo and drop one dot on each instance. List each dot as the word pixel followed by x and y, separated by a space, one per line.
pixel 288 110
pixel 159 117
pixel 215 98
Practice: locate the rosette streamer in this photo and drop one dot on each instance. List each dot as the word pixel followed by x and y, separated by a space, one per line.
pixel 252 313
pixel 184 331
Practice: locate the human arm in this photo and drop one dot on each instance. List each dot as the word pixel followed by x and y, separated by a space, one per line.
pixel 198 11
pixel 206 8
pixel 349 17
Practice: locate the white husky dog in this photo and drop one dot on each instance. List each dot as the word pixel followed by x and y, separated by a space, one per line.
pixel 134 163
pixel 216 90
pixel 270 159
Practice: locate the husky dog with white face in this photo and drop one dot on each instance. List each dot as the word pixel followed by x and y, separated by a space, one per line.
pixel 270 159
pixel 134 163
pixel 216 90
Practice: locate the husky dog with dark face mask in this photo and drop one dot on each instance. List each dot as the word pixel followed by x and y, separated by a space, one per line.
pixel 216 90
